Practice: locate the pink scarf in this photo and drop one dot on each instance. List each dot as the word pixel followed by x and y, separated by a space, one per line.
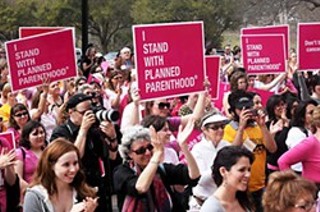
pixel 156 199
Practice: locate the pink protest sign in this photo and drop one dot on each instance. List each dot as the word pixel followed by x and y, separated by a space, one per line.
pixel 308 44
pixel 7 140
pixel 263 54
pixel 30 31
pixel 32 59
pixel 280 29
pixel 265 95
pixel 212 72
pixel 223 89
pixel 169 59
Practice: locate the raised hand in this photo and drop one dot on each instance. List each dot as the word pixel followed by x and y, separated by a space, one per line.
pixel 90 204
pixel 7 158
pixel 276 126
pixel 261 118
pixel 184 133
pixel 245 115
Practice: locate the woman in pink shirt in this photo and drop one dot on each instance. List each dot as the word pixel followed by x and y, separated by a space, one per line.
pixel 306 152
pixel 32 143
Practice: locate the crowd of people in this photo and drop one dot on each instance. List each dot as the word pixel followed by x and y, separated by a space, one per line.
pixel 90 144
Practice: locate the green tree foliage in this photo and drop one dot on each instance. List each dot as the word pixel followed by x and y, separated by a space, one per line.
pixel 110 22
pixel 217 15
pixel 18 13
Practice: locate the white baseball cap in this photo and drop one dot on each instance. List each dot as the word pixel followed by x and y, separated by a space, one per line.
pixel 215 118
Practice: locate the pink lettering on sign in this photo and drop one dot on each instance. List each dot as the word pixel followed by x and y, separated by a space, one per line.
pixel 44 56
pixel 260 55
pixel 280 29
pixel 308 44
pixel 169 59
pixel 212 72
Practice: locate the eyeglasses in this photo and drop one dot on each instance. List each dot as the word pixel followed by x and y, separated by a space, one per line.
pixel 143 150
pixel 19 115
pixel 162 105
pixel 216 126
pixel 306 206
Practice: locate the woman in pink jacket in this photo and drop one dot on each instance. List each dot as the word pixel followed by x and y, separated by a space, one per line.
pixel 306 152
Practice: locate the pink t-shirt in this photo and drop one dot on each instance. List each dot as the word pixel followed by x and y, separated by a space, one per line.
pixel 30 163
pixel 306 152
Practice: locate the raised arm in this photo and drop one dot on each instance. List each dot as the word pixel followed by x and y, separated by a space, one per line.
pixel 182 139
pixel 147 175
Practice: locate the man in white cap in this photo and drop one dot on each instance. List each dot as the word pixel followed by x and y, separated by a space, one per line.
pixel 204 152
pixel 125 54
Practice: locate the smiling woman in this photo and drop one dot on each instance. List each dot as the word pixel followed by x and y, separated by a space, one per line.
pixel 59 183
pixel 143 182
pixel 231 172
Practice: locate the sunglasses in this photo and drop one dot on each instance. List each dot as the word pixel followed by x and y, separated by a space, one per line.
pixel 143 150
pixel 162 105
pixel 216 126
pixel 21 114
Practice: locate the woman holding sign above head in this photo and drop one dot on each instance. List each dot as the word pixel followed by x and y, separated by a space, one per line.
pixel 40 110
pixel 240 81
pixel 134 112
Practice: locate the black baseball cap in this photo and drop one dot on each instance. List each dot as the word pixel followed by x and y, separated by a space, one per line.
pixel 76 99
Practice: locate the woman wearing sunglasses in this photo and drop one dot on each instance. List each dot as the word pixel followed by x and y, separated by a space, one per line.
pixel 143 181
pixel 19 116
pixel 204 152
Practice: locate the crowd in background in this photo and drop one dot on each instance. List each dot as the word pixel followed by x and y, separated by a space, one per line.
pixel 90 144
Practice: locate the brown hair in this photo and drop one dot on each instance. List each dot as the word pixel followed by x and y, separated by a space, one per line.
pixel 16 108
pixel 284 189
pixel 5 90
pixel 235 78
pixel 45 175
pixel 315 119
pixel 112 74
